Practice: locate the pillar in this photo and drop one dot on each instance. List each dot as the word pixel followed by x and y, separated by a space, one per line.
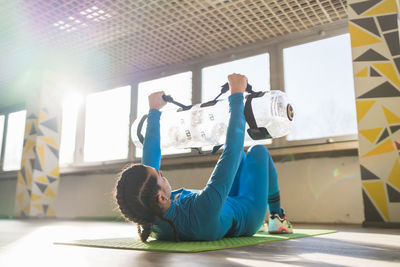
pixel 374 32
pixel 38 178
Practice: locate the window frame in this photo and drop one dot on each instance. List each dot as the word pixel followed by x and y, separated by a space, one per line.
pixel 274 47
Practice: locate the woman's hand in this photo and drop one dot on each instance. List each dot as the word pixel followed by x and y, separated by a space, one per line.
pixel 156 101
pixel 237 83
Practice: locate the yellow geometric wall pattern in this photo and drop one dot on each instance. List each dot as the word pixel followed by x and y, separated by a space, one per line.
pixel 374 33
pixel 38 177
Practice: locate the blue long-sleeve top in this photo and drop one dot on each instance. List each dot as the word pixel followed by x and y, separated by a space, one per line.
pixel 196 214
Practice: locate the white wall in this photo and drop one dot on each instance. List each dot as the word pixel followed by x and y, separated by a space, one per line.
pixel 323 190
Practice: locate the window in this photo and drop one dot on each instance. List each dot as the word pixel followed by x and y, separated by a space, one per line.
pixel 70 108
pixel 107 125
pixel 256 69
pixel 179 86
pixel 14 140
pixel 319 81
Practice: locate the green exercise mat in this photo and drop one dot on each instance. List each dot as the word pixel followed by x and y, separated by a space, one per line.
pixel 193 246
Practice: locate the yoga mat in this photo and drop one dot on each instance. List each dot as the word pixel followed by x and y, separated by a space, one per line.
pixel 193 246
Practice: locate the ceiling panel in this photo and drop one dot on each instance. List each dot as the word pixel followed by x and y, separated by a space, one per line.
pixel 111 38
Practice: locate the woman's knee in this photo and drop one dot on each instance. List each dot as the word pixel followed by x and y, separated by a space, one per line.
pixel 258 151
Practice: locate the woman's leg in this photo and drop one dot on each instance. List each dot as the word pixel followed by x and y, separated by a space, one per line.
pixel 259 186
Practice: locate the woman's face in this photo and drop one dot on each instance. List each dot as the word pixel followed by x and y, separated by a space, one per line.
pixel 161 181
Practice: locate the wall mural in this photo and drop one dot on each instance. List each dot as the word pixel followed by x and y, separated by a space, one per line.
pixel 374 32
pixel 38 178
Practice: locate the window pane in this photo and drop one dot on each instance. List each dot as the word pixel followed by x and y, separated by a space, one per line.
pixel 15 140
pixel 319 81
pixel 179 86
pixel 107 125
pixel 70 110
pixel 2 118
pixel 255 68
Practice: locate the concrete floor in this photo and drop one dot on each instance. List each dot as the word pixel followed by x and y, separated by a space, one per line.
pixel 30 243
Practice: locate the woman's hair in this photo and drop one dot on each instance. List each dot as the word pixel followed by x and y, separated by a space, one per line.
pixel 136 193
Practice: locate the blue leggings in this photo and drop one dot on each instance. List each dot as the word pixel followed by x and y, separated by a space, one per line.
pixel 246 205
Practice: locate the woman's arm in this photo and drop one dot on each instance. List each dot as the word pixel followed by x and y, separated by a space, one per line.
pixel 213 196
pixel 151 145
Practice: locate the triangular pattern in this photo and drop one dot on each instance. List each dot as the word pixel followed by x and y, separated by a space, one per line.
pixel 392 41
pixel 45 208
pixel 55 151
pixel 386 6
pixel 55 172
pixel 384 135
pixel 20 198
pixel 33 129
pixel 362 73
pixel 367 24
pixel 394 176
pixel 362 37
pixel 42 179
pixel 40 154
pixel 371 134
pixel 387 22
pixel 49 192
pixel 371 55
pixel 35 197
pixel 363 107
pixel 377 193
pixel 42 187
pixel 22 174
pixel 20 180
pixel 385 147
pixel 385 89
pixel 49 141
pixel 371 213
pixel 42 116
pixel 391 118
pixel 394 129
pixel 397 63
pixel 29 144
pixel 36 165
pixel 51 124
pixel 32 116
pixel 51 179
pixel 38 206
pixel 389 71
pixel 393 194
pixel 28 176
pixel 374 73
pixel 363 6
pixel 367 175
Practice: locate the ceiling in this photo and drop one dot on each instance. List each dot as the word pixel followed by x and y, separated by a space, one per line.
pixel 111 38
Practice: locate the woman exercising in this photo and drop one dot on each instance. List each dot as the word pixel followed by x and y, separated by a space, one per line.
pixel 234 201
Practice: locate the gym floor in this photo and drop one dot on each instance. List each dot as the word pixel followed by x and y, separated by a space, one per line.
pixel 30 243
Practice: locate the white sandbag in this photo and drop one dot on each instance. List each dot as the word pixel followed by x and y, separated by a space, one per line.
pixel 206 126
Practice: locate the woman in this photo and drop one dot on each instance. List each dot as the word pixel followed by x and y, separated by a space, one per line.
pixel 234 201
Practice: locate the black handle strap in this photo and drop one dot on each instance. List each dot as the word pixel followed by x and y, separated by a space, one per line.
pixel 255 132
pixel 139 128
pixel 224 89
pixel 169 99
